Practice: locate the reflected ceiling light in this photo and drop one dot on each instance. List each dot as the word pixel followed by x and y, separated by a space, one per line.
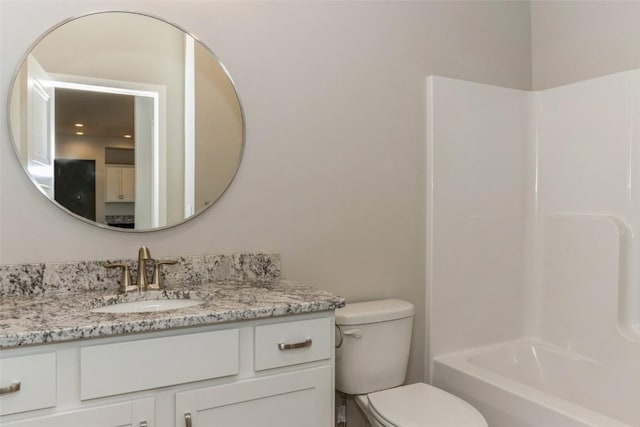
pixel 126 135
pixel 78 125
pixel 79 133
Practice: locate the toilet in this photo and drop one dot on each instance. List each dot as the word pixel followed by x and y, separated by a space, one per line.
pixel 373 341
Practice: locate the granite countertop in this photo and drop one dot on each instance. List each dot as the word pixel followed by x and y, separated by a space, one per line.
pixel 67 317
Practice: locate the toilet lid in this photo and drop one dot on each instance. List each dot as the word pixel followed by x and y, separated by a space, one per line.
pixel 420 405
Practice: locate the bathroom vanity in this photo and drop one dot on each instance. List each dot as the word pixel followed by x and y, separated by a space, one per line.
pixel 255 351
pixel 232 375
pixel 252 353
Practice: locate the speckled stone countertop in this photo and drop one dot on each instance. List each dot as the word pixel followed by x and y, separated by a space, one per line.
pixel 67 317
pixel 52 302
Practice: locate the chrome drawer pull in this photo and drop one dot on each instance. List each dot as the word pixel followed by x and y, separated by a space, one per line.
pixel 301 344
pixel 143 424
pixel 187 419
pixel 12 388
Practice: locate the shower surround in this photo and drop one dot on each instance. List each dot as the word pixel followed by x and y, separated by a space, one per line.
pixel 533 205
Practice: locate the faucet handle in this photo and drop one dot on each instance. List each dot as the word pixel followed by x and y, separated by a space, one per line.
pixel 125 278
pixel 156 280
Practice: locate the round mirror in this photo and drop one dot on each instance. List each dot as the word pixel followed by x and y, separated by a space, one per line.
pixel 126 121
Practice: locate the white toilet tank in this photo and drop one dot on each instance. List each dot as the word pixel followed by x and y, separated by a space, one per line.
pixel 376 339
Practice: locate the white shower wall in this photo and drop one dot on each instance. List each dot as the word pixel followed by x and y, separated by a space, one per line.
pixel 476 213
pixel 586 296
pixel 534 197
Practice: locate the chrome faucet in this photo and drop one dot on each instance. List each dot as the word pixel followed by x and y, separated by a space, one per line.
pixel 141 280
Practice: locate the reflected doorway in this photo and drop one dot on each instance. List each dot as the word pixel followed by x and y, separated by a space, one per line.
pixel 75 186
pixel 89 120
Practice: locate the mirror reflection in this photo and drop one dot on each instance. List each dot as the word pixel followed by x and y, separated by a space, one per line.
pixel 126 121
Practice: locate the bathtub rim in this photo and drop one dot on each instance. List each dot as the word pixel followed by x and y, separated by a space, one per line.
pixel 459 361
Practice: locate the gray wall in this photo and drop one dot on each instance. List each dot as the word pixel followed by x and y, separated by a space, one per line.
pixel 579 40
pixel 333 174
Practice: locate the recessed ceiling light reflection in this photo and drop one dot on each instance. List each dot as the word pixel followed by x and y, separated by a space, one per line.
pixel 78 125
pixel 126 135
pixel 79 133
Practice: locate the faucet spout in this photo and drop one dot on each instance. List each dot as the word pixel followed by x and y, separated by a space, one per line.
pixel 143 256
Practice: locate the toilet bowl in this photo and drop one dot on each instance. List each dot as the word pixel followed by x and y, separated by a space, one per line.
pixel 418 405
pixel 372 353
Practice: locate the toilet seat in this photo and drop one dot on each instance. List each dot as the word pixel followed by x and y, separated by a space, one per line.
pixel 421 405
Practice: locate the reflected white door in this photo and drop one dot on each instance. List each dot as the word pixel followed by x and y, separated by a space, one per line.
pixel 147 203
pixel 41 131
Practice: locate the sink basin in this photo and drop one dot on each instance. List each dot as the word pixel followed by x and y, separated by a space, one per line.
pixel 147 306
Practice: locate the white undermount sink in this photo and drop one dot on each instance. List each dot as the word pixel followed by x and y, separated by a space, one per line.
pixel 147 306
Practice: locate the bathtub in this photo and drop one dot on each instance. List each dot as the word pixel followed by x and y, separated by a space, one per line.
pixel 534 384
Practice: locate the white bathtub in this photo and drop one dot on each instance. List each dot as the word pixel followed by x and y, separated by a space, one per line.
pixel 533 384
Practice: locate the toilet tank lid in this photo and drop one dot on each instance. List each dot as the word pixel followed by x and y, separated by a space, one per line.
pixel 373 311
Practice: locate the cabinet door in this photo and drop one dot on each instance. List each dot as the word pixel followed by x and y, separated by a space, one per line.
pixel 114 178
pixel 120 184
pixel 139 413
pixel 36 375
pixel 294 399
pixel 128 184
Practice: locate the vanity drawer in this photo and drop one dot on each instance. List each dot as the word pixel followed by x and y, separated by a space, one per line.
pixel 119 368
pixel 36 375
pixel 291 343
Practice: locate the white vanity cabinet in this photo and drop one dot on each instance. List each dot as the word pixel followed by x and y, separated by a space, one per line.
pixel 261 373
pixel 298 395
